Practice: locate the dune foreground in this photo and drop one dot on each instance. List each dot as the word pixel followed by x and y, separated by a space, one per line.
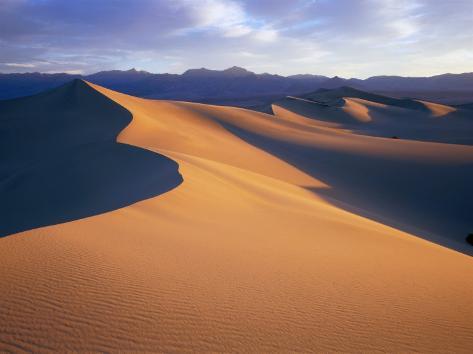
pixel 142 225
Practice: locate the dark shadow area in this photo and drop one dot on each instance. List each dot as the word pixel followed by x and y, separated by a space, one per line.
pixel 469 239
pixel 59 159
pixel 433 200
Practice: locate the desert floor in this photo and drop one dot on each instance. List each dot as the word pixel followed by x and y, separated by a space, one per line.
pixel 144 225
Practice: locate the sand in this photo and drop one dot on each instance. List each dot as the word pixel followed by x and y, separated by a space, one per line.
pixel 375 115
pixel 265 246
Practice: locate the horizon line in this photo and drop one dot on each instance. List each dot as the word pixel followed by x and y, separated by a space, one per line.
pixel 133 69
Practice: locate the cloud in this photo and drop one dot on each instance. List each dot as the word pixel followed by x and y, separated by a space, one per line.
pixel 224 17
pixel 20 65
pixel 332 37
pixel 266 35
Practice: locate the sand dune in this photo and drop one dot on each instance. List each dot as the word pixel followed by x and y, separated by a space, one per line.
pixel 60 160
pixel 263 247
pixel 370 114
pixel 438 110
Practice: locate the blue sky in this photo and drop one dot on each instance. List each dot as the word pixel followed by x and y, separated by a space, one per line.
pixel 349 38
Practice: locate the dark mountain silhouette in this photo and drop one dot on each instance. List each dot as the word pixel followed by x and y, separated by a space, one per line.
pixel 236 85
pixel 232 72
pixel 17 85
pixel 453 82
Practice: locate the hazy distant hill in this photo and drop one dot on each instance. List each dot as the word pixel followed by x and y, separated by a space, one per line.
pixel 238 84
pixel 17 85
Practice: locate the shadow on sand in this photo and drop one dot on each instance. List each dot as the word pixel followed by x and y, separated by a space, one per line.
pixel 432 200
pixel 59 159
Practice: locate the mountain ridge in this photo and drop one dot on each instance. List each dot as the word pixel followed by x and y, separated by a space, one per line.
pixel 232 83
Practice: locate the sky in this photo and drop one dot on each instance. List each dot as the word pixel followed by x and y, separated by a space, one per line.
pixel 348 38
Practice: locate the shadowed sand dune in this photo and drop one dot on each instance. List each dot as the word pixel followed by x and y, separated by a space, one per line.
pixel 375 115
pixel 333 96
pixel 250 253
pixel 60 161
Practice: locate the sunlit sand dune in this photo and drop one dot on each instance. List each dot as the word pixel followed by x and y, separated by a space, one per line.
pixel 438 110
pixel 284 235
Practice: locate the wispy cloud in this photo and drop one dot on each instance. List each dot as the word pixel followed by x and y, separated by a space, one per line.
pixel 344 37
pixel 20 65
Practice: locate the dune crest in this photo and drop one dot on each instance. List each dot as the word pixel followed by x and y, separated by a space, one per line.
pixel 263 246
pixel 357 109
pixel 438 110
pixel 60 160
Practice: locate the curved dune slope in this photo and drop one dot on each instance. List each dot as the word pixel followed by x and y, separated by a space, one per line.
pixel 248 253
pixel 370 114
pixel 59 159
pixel 419 187
pixel 438 110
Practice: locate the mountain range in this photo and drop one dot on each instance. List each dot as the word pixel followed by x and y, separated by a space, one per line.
pixel 238 84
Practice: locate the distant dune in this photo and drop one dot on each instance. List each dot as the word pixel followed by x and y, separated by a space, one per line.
pixel 376 115
pixel 308 230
